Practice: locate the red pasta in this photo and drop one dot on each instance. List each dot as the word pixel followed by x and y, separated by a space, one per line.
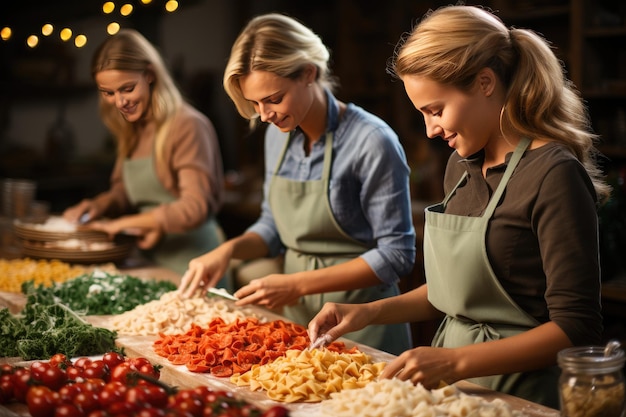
pixel 225 348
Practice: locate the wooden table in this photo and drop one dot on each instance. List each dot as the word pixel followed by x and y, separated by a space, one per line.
pixel 179 376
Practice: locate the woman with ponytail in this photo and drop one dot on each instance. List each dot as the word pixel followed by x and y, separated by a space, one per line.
pixel 511 253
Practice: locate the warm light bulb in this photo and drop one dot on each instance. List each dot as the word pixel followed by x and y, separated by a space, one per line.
pixel 47 29
pixel 108 7
pixel 126 9
pixel 146 1
pixel 171 5
pixel 6 33
pixel 66 34
pixel 32 41
pixel 80 41
pixel 113 28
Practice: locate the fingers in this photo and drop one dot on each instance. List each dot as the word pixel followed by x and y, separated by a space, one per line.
pixel 190 283
pixel 392 369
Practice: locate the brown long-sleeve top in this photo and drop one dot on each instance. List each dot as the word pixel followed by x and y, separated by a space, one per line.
pixel 192 171
pixel 542 241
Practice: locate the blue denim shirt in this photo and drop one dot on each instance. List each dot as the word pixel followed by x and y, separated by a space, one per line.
pixel 369 187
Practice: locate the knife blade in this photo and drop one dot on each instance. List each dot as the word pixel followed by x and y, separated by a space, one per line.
pixel 222 293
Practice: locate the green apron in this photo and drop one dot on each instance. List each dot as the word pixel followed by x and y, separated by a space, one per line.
pixel 174 250
pixel 314 240
pixel 462 284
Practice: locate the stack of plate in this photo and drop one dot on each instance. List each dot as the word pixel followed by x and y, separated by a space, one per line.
pixel 56 239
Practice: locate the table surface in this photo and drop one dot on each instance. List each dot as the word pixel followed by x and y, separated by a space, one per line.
pixel 181 377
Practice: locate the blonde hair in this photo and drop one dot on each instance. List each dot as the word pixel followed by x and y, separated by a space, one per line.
pixel 278 44
pixel 128 50
pixel 453 43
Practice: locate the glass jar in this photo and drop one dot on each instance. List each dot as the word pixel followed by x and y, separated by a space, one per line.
pixel 591 382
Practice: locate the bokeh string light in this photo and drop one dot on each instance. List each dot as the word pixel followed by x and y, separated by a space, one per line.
pixel 117 10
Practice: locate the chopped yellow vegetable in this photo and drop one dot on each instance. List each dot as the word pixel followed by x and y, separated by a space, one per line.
pixel 43 272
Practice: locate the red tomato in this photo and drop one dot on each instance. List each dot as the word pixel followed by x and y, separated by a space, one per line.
pixel 73 373
pixel 150 412
pixel 60 360
pixel 111 393
pixel 86 401
pixel 38 369
pixel 82 362
pixel 54 378
pixel 112 359
pixel 276 411
pixel 6 388
pixel 120 372
pixel 96 369
pixel 68 391
pixel 193 406
pixel 41 401
pixel 68 410
pixel 21 383
pixel 150 370
pixel 6 368
pixel 156 396
pixel 138 362
pixel 137 395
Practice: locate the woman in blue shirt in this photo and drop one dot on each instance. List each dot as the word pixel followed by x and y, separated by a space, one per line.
pixel 336 191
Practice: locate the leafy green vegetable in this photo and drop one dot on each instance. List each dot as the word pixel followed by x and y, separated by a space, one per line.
pixel 101 293
pixel 46 326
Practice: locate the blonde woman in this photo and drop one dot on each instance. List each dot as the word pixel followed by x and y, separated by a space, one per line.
pixel 337 200
pixel 167 182
pixel 511 254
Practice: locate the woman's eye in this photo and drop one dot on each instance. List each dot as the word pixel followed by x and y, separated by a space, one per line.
pixel 276 100
pixel 437 113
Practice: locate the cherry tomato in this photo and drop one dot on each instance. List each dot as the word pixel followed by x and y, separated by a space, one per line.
pixel 82 362
pixel 138 362
pixel 86 401
pixel 73 373
pixel 60 360
pixel 96 369
pixel 6 388
pixel 53 377
pixel 41 401
pixel 68 410
pixel 122 408
pixel 21 383
pixel 156 396
pixel 112 359
pixel 38 369
pixel 189 405
pixel 150 412
pixel 111 393
pixel 6 368
pixel 68 392
pixel 276 411
pixel 120 372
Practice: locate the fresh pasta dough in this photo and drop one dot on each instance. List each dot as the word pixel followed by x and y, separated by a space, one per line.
pixel 172 314
pixel 310 376
pixel 397 398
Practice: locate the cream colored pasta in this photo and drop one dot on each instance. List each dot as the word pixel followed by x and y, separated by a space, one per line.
pixel 310 376
pixel 393 397
pixel 172 314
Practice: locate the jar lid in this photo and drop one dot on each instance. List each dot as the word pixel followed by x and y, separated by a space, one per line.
pixel 591 359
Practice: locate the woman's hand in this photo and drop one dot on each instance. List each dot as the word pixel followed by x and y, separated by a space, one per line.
pixel 272 291
pixel 204 271
pixel 426 365
pixel 86 207
pixel 336 320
